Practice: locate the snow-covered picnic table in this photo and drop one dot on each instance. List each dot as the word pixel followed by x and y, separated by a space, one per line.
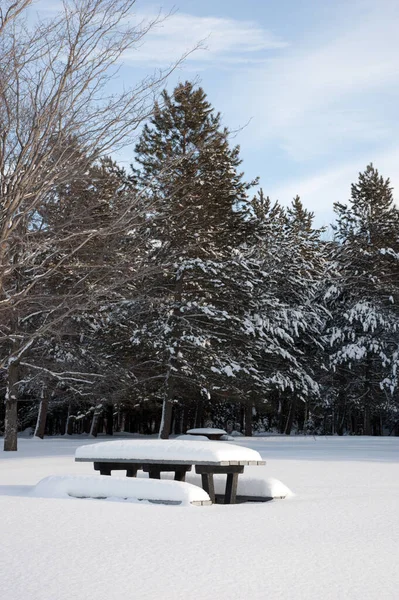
pixel 157 456
pixel 212 433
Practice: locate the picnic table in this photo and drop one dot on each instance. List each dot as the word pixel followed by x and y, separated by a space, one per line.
pixel 178 456
pixel 212 433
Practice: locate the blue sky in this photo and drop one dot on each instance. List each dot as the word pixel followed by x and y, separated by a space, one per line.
pixel 312 86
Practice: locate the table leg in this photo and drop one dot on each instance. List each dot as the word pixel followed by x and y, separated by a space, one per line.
pixel 180 475
pixel 105 469
pixel 131 471
pixel 154 473
pixel 208 485
pixel 231 488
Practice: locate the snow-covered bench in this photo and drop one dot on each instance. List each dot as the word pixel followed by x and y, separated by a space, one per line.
pixel 178 456
pixel 250 488
pixel 97 486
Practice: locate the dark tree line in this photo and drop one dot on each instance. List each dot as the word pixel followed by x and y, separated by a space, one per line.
pixel 208 303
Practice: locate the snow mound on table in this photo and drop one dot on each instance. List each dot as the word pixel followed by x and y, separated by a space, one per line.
pixel 164 450
pixel 113 487
pixel 191 438
pixel 206 431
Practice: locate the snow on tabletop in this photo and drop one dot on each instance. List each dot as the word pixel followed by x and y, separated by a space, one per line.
pixel 165 450
pixel 206 431
pixel 116 487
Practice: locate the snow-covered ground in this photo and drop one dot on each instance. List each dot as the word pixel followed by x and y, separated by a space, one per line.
pixel 337 538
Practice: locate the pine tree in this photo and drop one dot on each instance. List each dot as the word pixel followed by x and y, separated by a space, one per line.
pixel 191 172
pixel 194 330
pixel 290 255
pixel 364 300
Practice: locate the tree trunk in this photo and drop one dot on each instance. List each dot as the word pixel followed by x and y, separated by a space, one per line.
pixel 167 406
pixel 241 416
pixel 198 414
pixel 69 425
pixel 42 416
pixel 368 398
pixel 248 420
pixel 68 418
pixel 179 420
pixel 342 409
pixel 95 423
pixel 166 421
pixel 11 413
pixel 280 417
pixel 109 416
pixel 341 412
pixel 184 420
pixel 367 421
pixel 291 415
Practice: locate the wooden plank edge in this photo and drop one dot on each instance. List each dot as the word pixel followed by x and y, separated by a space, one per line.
pixel 146 461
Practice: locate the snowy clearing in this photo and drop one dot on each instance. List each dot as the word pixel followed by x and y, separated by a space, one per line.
pixel 335 538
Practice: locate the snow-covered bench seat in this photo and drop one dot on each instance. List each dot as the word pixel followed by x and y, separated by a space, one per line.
pixel 178 456
pixel 250 488
pixel 98 486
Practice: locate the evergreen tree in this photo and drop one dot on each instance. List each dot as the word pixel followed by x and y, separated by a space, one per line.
pixel 191 173
pixel 364 299
pixel 194 331
pixel 291 259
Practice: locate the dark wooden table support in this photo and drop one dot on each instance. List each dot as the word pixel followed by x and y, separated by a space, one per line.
pixel 131 471
pixel 208 485
pixel 231 488
pixel 154 470
pixel 180 474
pixel 232 471
pixel 105 468
pixel 207 470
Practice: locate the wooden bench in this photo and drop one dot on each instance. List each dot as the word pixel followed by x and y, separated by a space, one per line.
pixel 178 456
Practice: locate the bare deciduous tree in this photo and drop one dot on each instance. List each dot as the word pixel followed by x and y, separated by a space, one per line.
pixel 57 116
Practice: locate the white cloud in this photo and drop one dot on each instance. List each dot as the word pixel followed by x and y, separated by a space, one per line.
pixel 318 92
pixel 225 41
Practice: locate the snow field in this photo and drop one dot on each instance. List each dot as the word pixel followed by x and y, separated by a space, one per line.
pixel 335 539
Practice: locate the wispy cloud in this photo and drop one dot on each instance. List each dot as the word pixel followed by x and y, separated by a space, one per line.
pixel 224 41
pixel 322 104
pixel 319 93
